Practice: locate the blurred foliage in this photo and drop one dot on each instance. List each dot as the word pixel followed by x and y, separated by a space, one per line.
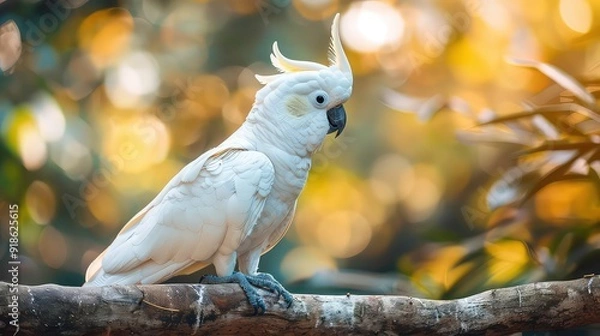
pixel 101 103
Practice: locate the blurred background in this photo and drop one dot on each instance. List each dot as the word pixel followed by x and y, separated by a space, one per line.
pixel 469 160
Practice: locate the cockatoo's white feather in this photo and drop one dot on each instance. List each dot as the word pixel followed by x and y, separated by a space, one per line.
pixel 285 64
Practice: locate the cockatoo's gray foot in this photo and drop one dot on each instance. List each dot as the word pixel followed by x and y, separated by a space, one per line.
pixel 247 283
pixel 268 282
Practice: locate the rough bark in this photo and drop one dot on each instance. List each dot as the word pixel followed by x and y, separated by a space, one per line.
pixel 184 309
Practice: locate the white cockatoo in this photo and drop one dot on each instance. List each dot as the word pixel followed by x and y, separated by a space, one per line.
pixel 236 201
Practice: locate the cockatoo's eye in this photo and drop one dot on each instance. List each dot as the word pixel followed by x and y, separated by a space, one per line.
pixel 319 99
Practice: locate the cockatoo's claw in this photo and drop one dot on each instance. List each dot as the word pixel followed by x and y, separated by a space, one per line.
pixel 255 300
pixel 248 284
pixel 268 282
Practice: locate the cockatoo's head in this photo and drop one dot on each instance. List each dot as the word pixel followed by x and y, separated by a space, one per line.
pixel 304 102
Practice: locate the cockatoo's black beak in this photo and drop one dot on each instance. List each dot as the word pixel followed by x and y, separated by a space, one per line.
pixel 337 119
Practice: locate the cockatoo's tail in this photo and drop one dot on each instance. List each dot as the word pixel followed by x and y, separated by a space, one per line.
pixel 237 200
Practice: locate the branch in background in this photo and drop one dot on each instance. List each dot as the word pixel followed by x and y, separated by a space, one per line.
pixel 178 309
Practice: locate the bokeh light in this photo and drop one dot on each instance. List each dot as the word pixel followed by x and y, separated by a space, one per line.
pixel 11 45
pixel 49 117
pixel 316 9
pixel 134 81
pixel 41 202
pixel 32 148
pixel 343 234
pixel 135 142
pixel 577 15
pixel 304 262
pixel 105 35
pixel 53 247
pixel 72 156
pixel 368 26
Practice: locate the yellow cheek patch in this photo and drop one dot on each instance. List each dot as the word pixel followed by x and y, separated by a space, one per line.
pixel 297 106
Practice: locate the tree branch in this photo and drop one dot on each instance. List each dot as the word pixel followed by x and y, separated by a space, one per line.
pixel 178 309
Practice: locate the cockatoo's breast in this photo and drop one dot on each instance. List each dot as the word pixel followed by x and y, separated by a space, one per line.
pixel 291 173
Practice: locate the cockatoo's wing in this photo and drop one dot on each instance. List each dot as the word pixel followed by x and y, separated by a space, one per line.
pixel 211 205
